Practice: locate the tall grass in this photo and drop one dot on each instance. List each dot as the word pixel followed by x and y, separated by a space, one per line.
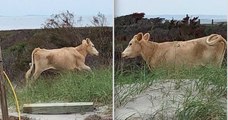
pixel 69 87
pixel 203 100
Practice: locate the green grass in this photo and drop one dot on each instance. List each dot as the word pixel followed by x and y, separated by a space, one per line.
pixel 69 87
pixel 215 75
pixel 201 110
pixel 210 85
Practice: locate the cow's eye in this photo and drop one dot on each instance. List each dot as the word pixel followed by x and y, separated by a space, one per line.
pixel 130 44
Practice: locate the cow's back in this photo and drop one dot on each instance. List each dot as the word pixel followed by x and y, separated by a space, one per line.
pixel 188 53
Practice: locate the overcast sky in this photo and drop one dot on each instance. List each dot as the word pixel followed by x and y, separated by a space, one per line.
pixel 48 7
pixel 122 7
pixel 172 7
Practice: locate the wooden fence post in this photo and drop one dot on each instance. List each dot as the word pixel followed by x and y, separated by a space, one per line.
pixel 5 115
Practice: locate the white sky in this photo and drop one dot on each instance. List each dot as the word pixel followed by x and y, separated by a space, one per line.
pixel 48 7
pixel 172 7
pixel 122 7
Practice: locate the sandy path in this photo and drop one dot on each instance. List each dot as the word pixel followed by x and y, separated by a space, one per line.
pixel 160 100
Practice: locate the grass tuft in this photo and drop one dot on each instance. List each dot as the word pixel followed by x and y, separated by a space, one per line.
pixel 69 87
pixel 203 99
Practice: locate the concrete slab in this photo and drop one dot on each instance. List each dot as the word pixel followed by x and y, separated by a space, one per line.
pixel 102 111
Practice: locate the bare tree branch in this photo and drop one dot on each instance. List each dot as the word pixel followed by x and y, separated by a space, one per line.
pixel 62 20
pixel 99 20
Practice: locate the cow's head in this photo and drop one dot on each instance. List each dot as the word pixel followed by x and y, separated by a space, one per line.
pixel 90 47
pixel 134 47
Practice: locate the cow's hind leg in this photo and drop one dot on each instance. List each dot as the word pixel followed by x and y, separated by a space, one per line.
pixel 37 72
pixel 34 77
pixel 28 75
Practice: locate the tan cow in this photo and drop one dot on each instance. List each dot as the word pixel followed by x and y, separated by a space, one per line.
pixel 203 51
pixel 67 58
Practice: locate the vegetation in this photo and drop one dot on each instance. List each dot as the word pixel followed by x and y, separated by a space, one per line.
pixel 61 20
pixel 69 87
pixel 205 99
pixel 99 20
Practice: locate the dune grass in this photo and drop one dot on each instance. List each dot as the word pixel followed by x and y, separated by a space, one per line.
pixel 69 87
pixel 210 84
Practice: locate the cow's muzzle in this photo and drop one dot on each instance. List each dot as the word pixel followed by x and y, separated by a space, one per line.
pixel 123 55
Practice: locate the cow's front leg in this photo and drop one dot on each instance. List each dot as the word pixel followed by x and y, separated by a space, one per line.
pixel 84 67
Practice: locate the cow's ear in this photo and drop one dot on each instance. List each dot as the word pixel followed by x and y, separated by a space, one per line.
pixel 88 41
pixel 146 36
pixel 84 42
pixel 139 36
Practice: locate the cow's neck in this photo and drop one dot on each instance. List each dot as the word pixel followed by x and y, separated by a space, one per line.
pixel 82 50
pixel 148 50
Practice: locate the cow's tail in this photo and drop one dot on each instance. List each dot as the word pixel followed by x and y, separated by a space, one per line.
pixel 212 42
pixel 32 65
pixel 224 51
pixel 218 38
